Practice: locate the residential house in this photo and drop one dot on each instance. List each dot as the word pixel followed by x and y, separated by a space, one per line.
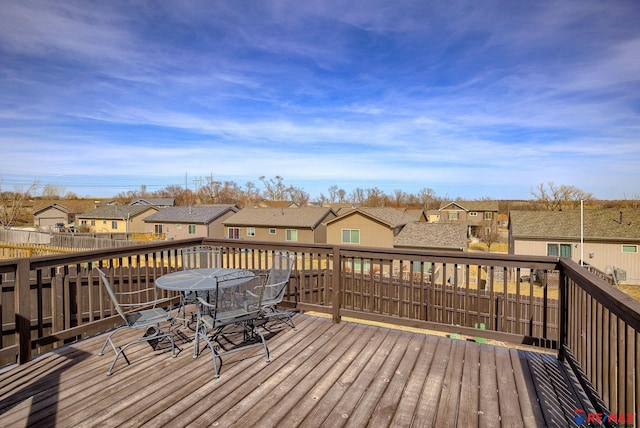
pixel 158 202
pixel 47 214
pixel 189 222
pixel 371 227
pixel 279 224
pixel 117 218
pixel 52 217
pixel 606 239
pixel 474 214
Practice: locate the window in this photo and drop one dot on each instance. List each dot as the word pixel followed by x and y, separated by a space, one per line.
pixel 629 248
pixel 350 236
pixel 157 228
pixel 251 231
pixel 272 231
pixel 93 222
pixel 178 227
pixel 473 214
pixel 192 229
pixel 454 215
pixel 562 250
pixel 292 235
pixel 488 215
pixel 114 224
pixel 234 233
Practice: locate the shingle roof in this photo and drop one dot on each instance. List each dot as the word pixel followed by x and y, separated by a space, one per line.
pixel 393 217
pixel 473 205
pixel 279 217
pixel 433 235
pixel 117 211
pixel 202 214
pixel 598 224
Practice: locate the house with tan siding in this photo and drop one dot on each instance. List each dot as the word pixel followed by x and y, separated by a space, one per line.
pixel 305 225
pixel 116 218
pixel 371 227
pixel 473 214
pixel 190 222
pixel 606 239
pixel 51 216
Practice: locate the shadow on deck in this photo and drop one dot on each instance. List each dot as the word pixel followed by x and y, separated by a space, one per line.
pixel 322 374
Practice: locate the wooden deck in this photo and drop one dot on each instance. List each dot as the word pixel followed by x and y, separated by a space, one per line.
pixel 322 374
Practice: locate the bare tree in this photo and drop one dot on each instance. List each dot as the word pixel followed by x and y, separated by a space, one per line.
pixel 488 234
pixel 427 197
pixel 51 191
pixel 274 188
pixel 12 211
pixel 557 198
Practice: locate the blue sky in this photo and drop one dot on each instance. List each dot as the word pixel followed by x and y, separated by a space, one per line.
pixel 471 99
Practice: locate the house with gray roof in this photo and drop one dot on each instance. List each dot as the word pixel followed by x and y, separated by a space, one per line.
pixel 189 222
pixel 279 224
pixel 116 218
pixel 371 227
pixel 473 214
pixel 606 239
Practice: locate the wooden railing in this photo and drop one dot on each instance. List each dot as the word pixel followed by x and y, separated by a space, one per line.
pixel 549 302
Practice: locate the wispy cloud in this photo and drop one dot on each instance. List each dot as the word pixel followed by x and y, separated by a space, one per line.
pixel 467 98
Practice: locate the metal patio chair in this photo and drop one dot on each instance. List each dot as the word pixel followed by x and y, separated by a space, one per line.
pixel 227 324
pixel 139 313
pixel 197 257
pixel 275 286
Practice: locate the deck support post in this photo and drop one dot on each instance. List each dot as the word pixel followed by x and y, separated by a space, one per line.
pixel 22 302
pixel 336 283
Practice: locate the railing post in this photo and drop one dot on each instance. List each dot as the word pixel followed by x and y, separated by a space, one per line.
pixel 22 304
pixel 564 313
pixel 336 282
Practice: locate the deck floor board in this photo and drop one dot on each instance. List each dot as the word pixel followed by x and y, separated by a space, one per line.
pixel 321 374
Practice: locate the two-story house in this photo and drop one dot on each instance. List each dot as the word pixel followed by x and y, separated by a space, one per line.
pixel 473 214
pixel 116 218
pixel 607 239
pixel 188 222
pixel 279 224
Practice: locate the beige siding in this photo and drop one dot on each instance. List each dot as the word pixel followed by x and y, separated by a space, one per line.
pixel 305 235
pixel 372 233
pixel 602 256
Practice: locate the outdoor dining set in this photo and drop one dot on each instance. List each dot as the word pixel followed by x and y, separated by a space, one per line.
pixel 225 308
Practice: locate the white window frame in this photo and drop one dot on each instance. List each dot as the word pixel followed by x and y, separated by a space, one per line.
pixel 632 247
pixel 251 231
pixel 488 215
pixel 473 214
pixel 272 231
pixel 192 229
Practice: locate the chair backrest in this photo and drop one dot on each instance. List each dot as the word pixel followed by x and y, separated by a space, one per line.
pixel 230 305
pixel 127 301
pixel 112 294
pixel 281 266
pixel 201 256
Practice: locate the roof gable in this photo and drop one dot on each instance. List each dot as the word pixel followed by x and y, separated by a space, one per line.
pixel 54 206
pixel 390 217
pixel 470 206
